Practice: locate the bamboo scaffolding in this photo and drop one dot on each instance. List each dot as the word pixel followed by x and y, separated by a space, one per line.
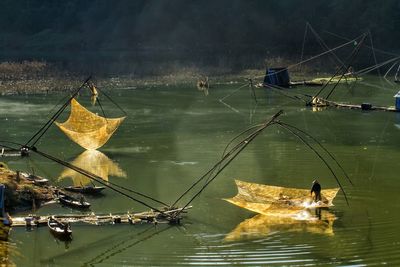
pixel 101 219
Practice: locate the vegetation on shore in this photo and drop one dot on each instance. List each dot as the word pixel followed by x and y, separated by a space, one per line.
pixel 39 77
pixel 21 193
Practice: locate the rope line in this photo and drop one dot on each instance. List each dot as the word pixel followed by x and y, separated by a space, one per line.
pixel 234 92
pixel 47 125
pixel 324 45
pixel 323 147
pixel 336 73
pixel 373 50
pixel 85 173
pixel 319 156
pixel 281 91
pixel 100 180
pixel 227 159
pixel 101 107
pixel 349 62
pixel 397 73
pixel 319 55
pixel 303 47
pixel 221 100
pixel 376 49
pixel 252 90
pixel 112 101
pixel 374 67
pixel 386 73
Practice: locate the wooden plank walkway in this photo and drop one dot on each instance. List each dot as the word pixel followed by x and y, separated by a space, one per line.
pixel 5 152
pixel 102 219
pixel 320 102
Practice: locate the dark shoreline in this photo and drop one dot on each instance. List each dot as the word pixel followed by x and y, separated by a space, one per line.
pixel 36 77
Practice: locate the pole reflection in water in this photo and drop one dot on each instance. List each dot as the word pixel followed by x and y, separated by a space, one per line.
pixel 7 249
pixel 320 222
pixel 95 162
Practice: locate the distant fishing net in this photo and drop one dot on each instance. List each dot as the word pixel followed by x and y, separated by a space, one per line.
pixel 278 201
pixel 87 129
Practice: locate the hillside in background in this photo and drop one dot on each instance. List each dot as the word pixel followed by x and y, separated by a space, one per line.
pixel 145 36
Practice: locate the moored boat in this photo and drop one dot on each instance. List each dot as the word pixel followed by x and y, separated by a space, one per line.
pixel 59 229
pixel 73 201
pixel 36 179
pixel 90 190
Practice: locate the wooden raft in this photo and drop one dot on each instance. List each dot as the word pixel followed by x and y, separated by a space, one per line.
pixel 101 219
pixel 320 102
pixel 5 152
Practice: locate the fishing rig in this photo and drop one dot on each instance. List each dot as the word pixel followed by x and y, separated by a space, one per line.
pixel 278 79
pixel 173 212
pixel 319 101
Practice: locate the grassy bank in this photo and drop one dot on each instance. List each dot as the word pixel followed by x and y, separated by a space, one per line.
pixel 21 193
pixel 39 78
pixel 36 77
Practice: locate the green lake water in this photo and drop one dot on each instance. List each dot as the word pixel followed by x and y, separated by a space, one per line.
pixel 174 134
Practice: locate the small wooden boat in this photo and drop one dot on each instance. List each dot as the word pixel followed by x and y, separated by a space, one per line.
pixel 59 229
pixel 73 201
pixel 36 179
pixel 90 190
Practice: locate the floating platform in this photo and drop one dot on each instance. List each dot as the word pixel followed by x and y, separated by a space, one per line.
pixel 320 103
pixel 5 152
pixel 323 81
pixel 290 84
pixel 102 219
pixel 317 82
pixel 307 83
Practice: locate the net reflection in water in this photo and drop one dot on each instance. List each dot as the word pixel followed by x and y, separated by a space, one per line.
pixel 95 162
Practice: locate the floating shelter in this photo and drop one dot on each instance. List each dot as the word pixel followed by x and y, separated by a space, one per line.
pixel 5 220
pixel 277 76
pixel 397 97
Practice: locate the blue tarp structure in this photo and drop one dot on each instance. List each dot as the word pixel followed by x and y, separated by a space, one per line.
pixel 4 217
pixel 2 187
pixel 277 77
pixel 397 96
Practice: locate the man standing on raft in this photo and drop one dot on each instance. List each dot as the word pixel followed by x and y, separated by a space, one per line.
pixel 316 188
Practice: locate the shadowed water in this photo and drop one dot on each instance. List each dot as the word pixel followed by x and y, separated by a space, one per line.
pixel 173 135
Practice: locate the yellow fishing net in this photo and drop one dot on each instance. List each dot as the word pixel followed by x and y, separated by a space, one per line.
pixel 278 201
pixel 87 129
pixel 95 162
